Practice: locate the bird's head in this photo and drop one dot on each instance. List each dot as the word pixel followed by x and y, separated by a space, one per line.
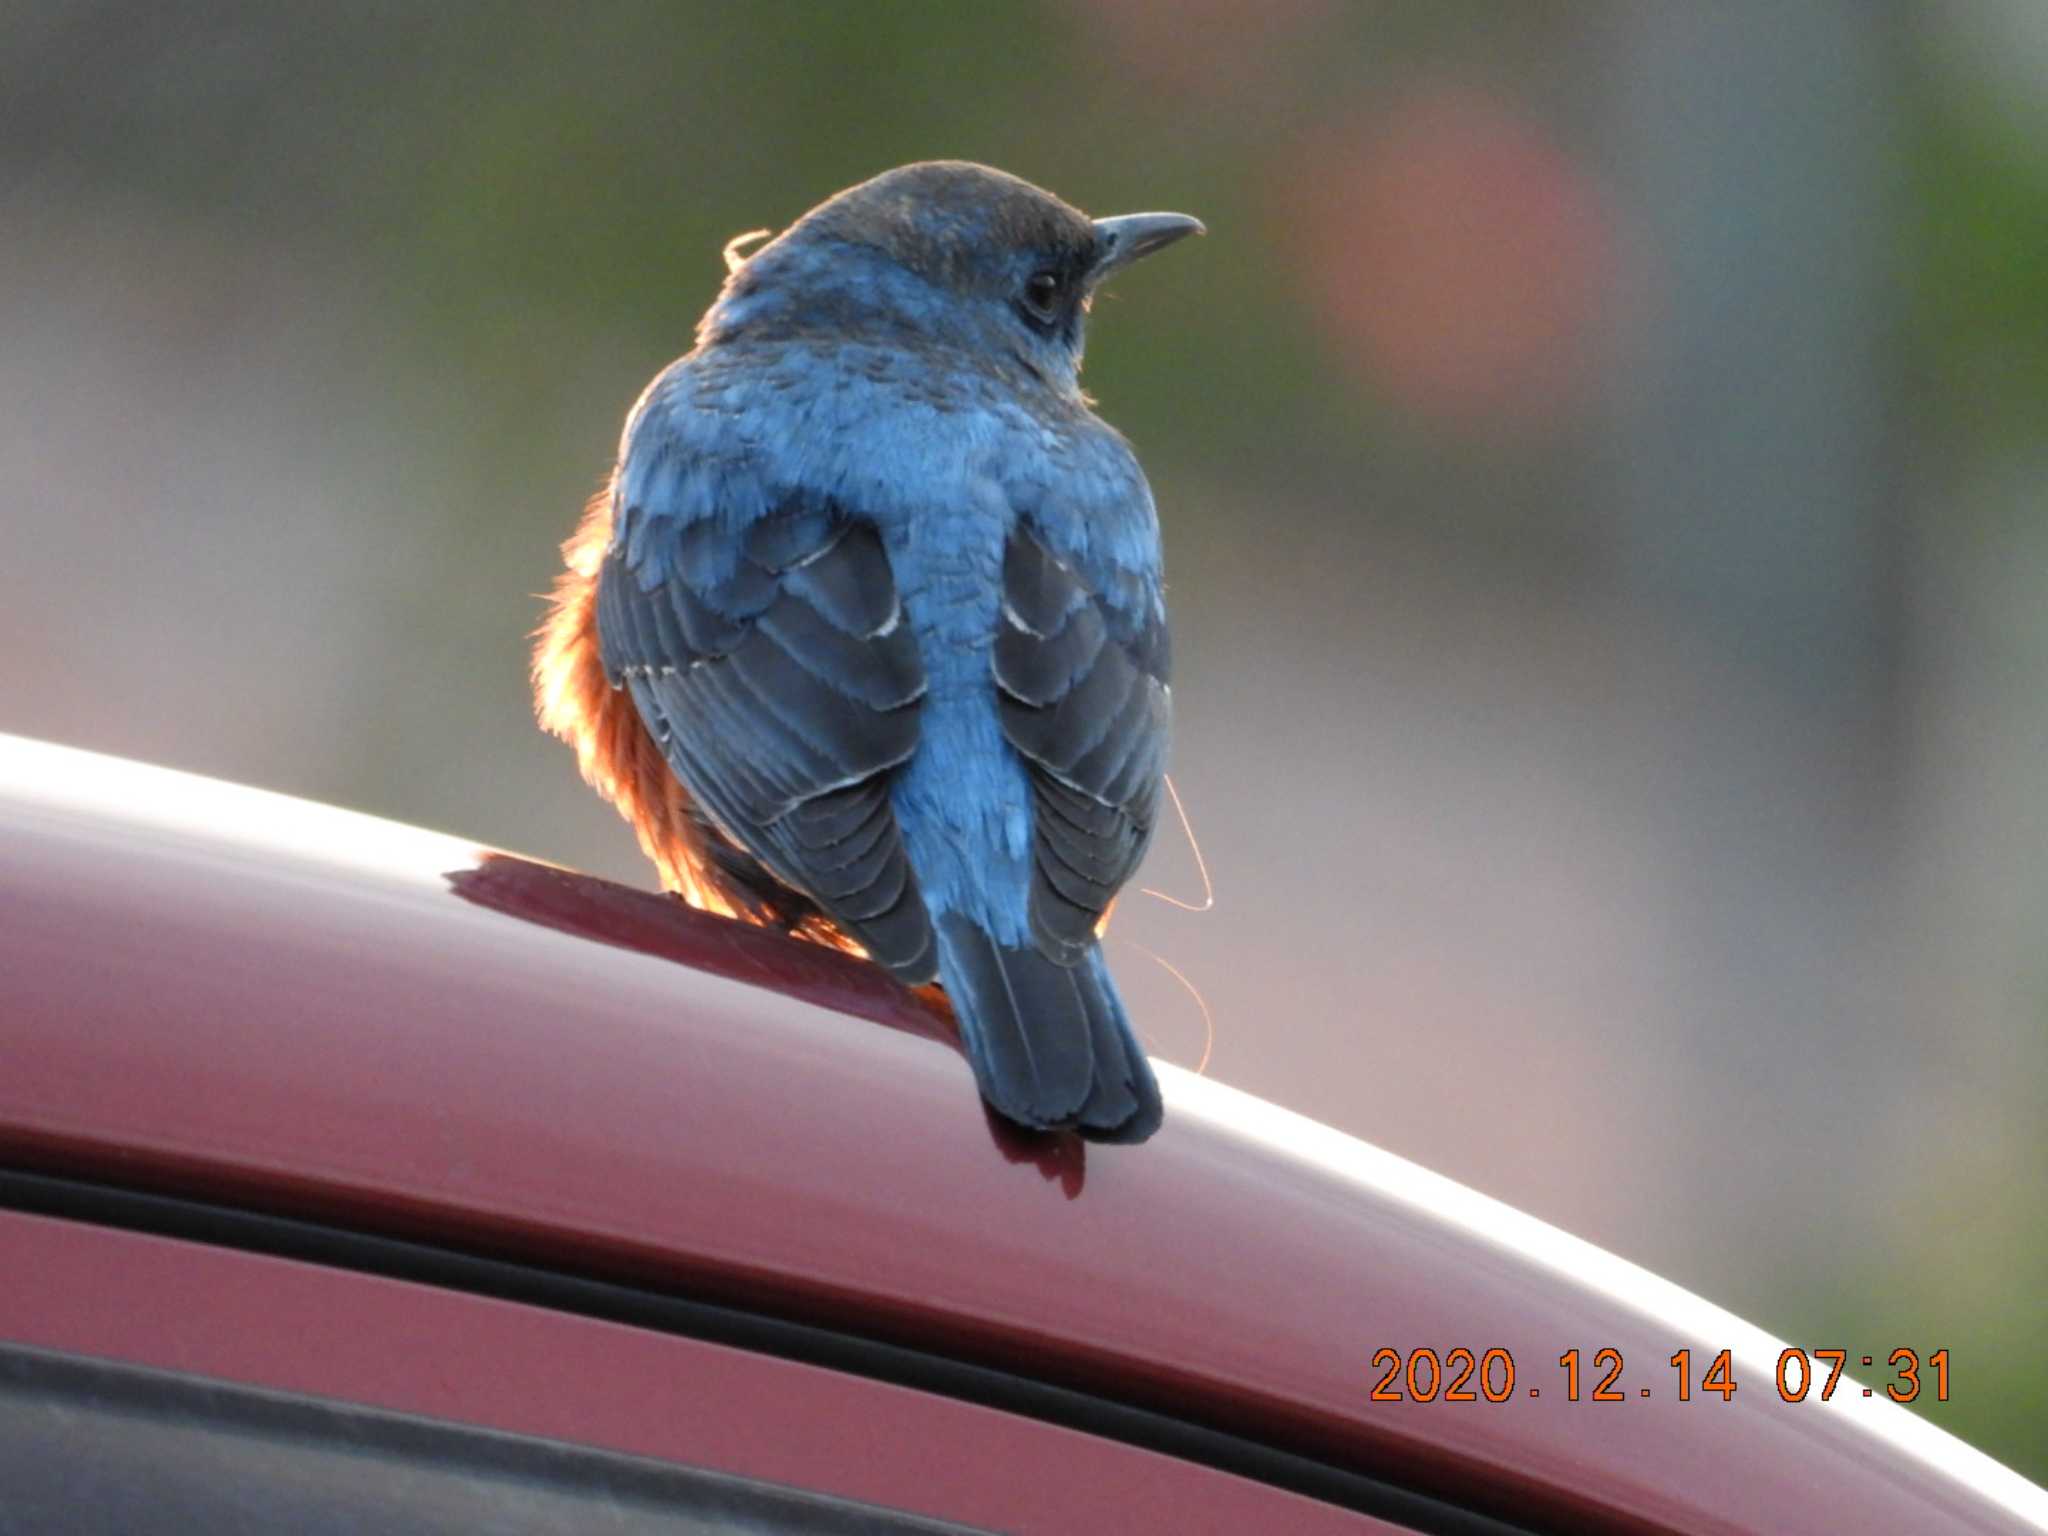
pixel 941 254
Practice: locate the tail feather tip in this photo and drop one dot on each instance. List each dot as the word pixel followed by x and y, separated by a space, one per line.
pixel 1050 1044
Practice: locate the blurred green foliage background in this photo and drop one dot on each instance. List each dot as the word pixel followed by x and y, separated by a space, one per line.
pixel 1602 458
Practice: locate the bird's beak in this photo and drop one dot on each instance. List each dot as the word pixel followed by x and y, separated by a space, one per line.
pixel 1122 240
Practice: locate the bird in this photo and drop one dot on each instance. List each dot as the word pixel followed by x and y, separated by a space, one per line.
pixel 866 631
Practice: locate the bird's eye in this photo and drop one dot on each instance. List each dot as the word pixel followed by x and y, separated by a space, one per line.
pixel 1045 294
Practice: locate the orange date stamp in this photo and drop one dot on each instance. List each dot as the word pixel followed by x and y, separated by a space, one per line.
pixel 1422 1375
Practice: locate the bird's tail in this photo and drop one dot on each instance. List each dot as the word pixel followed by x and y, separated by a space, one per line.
pixel 1050 1044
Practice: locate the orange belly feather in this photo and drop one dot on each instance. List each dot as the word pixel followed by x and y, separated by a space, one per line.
pixel 618 756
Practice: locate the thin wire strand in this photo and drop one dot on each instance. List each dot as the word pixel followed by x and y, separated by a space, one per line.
pixel 735 248
pixel 1201 1002
pixel 1201 864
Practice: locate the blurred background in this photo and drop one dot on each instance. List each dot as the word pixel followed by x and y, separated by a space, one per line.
pixel 1601 453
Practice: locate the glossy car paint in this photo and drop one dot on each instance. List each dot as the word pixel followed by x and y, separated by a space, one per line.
pixel 420 1349
pixel 231 994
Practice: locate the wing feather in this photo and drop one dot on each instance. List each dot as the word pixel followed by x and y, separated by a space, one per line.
pixel 773 670
pixel 1083 697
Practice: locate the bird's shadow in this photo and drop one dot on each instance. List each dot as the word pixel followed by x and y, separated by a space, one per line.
pixel 669 928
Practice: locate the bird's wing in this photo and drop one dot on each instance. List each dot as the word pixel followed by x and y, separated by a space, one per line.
pixel 1083 694
pixel 774 669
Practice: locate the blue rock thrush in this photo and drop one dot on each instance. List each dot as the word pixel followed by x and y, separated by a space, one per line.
pixel 867 634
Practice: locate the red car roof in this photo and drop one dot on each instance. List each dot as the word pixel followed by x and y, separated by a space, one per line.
pixel 234 995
